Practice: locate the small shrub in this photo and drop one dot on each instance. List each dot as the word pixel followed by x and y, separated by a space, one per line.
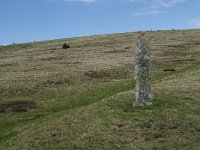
pixel 65 46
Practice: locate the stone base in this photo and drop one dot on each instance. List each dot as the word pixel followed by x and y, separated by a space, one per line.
pixel 142 104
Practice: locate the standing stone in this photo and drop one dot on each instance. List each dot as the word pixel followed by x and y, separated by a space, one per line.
pixel 143 91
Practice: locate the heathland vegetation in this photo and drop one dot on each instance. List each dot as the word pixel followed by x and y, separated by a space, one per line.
pixel 82 97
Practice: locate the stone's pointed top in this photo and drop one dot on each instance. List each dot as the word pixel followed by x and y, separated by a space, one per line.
pixel 142 33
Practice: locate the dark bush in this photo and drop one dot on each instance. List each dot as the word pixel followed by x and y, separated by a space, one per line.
pixel 65 46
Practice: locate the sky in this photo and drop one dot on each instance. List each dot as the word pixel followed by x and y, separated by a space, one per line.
pixel 35 20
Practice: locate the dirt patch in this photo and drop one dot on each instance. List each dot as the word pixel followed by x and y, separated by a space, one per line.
pixel 100 74
pixel 17 106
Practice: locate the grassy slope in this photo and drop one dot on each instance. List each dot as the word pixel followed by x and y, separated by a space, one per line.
pixel 77 112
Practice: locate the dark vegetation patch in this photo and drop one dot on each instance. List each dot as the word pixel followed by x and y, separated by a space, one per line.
pixel 116 51
pixel 100 74
pixel 176 46
pixel 184 44
pixel 8 64
pixel 57 81
pixel 65 46
pixel 169 70
pixel 53 58
pixel 181 46
pixel 182 60
pixel 17 106
pixel 127 47
pixel 14 91
pixel 108 74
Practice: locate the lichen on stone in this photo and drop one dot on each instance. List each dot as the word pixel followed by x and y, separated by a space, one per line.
pixel 143 90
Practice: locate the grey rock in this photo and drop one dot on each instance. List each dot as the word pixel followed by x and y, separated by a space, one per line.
pixel 143 90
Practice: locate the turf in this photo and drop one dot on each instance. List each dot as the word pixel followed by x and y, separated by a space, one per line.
pixel 83 96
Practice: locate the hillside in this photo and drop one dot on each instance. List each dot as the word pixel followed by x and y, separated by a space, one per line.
pixel 82 97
